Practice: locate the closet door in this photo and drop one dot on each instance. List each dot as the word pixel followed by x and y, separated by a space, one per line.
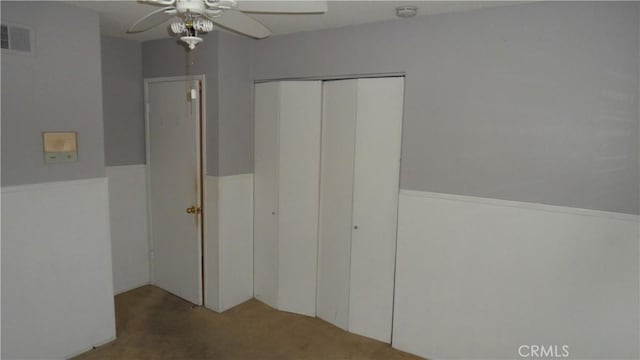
pixel 267 103
pixel 336 200
pixel 375 206
pixel 298 182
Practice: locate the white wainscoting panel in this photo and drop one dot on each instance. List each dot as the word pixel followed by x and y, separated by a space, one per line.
pixel 57 284
pixel 129 224
pixel 235 239
pixel 477 278
pixel 211 262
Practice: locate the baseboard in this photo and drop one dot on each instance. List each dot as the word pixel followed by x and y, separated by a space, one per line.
pixel 98 344
pixel 133 287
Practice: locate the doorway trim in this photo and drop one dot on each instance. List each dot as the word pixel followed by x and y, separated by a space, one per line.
pixel 202 164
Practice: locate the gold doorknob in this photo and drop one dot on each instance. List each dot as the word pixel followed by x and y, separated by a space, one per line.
pixel 193 210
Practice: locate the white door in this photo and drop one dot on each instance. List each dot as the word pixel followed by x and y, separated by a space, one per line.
pixel 286 180
pixel 375 206
pixel 173 161
pixel 336 200
pixel 265 223
pixel 298 182
pixel 361 137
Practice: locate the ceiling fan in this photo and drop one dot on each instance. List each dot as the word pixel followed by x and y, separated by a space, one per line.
pixel 194 17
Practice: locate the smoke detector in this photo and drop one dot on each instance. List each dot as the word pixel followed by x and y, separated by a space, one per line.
pixel 406 11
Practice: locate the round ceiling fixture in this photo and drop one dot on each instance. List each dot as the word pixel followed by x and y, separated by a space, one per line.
pixel 406 11
pixel 191 41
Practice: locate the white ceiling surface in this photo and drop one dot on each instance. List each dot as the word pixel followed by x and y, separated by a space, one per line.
pixel 117 16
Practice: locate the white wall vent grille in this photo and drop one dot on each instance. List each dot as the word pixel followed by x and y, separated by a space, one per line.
pixel 16 38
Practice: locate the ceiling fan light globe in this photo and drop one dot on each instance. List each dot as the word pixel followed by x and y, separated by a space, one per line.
pixel 203 25
pixel 191 41
pixel 178 27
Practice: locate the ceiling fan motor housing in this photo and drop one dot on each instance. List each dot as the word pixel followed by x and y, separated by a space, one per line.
pixel 190 6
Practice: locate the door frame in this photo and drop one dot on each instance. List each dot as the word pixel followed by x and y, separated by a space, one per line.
pixel 201 140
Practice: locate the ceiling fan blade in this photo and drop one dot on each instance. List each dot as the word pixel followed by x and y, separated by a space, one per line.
pixel 241 23
pixel 152 19
pixel 286 7
pixel 159 2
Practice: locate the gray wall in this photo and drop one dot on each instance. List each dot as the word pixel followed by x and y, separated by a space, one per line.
pixel 122 101
pixel 235 116
pixel 226 60
pixel 532 102
pixel 58 88
pixel 167 57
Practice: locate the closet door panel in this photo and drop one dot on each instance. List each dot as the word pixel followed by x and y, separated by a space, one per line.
pixel 298 181
pixel 376 181
pixel 336 200
pixel 267 102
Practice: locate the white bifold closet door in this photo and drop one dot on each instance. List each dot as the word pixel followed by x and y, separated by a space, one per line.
pixel 287 166
pixel 265 193
pixel 361 144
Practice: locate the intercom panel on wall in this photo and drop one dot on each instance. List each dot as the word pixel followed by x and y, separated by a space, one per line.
pixel 60 147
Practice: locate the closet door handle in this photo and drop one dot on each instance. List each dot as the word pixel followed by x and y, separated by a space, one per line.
pixel 273 213
pixel 355 227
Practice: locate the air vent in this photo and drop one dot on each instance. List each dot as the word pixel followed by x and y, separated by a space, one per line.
pixel 15 38
pixel 4 38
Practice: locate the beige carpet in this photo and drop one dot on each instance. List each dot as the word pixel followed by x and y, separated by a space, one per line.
pixel 153 324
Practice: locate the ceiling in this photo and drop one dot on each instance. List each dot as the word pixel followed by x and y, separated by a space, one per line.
pixel 117 16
